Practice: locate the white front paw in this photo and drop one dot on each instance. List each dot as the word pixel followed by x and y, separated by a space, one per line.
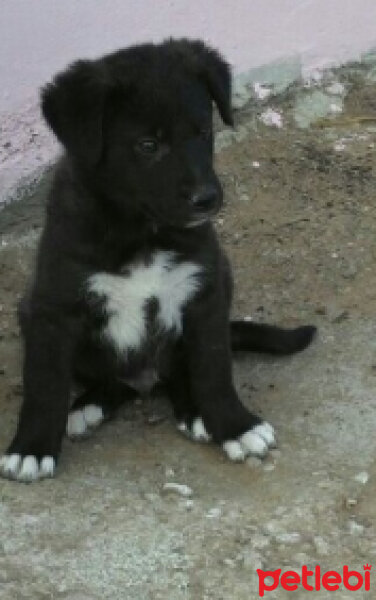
pixel 82 421
pixel 254 442
pixel 196 432
pixel 26 468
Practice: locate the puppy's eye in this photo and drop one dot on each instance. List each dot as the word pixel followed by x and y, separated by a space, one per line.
pixel 147 146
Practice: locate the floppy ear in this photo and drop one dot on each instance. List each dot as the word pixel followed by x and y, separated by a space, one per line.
pixel 216 73
pixel 73 106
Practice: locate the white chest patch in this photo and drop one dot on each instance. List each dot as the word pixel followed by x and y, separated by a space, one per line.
pixel 125 296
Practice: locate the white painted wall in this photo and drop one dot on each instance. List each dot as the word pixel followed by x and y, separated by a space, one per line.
pixel 39 37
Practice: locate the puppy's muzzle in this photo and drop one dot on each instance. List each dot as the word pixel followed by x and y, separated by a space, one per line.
pixel 207 200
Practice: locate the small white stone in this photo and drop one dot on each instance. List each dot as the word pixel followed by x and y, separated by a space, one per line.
pixel 322 546
pixel 178 488
pixel 261 91
pixel 336 88
pixel 288 538
pixel 339 146
pixel 260 540
pixel 271 118
pixel 269 467
pixel 214 513
pixel 362 477
pixel 229 562
pixel 355 528
pixel 335 108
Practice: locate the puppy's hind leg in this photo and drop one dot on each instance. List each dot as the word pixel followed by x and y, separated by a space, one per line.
pixel 97 404
pixel 189 421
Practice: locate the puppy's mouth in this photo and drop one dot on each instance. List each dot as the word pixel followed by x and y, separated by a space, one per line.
pixel 200 219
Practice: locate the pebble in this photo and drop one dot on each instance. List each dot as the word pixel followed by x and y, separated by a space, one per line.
pixel 288 538
pixel 339 146
pixel 269 467
pixel 229 562
pixel 259 540
pixel 362 477
pixel 350 502
pixel 272 528
pixel 272 118
pixel 178 488
pixel 336 88
pixel 321 545
pixel 261 91
pixel 214 513
pixel 355 528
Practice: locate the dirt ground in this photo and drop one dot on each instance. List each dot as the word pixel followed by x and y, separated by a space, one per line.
pixel 300 227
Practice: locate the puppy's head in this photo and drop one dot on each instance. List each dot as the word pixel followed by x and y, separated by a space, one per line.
pixel 139 123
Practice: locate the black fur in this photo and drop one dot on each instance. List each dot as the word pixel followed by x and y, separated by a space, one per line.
pixel 137 176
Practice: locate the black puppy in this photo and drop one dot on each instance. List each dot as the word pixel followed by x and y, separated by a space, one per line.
pixel 131 285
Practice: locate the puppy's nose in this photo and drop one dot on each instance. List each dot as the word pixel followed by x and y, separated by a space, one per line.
pixel 205 199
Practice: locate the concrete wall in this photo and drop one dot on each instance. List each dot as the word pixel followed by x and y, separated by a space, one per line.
pixel 38 37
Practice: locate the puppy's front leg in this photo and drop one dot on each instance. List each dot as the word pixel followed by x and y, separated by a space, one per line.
pixel 47 364
pixel 208 354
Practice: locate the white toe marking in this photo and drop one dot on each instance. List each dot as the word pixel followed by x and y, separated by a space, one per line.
pixel 199 433
pixel 76 425
pixel 81 421
pixel 255 442
pixel 182 427
pixel 10 464
pixel 252 443
pixel 27 469
pixel 93 415
pixel 234 450
pixel 266 431
pixel 47 467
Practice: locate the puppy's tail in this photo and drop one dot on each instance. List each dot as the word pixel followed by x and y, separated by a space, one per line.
pixel 259 337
